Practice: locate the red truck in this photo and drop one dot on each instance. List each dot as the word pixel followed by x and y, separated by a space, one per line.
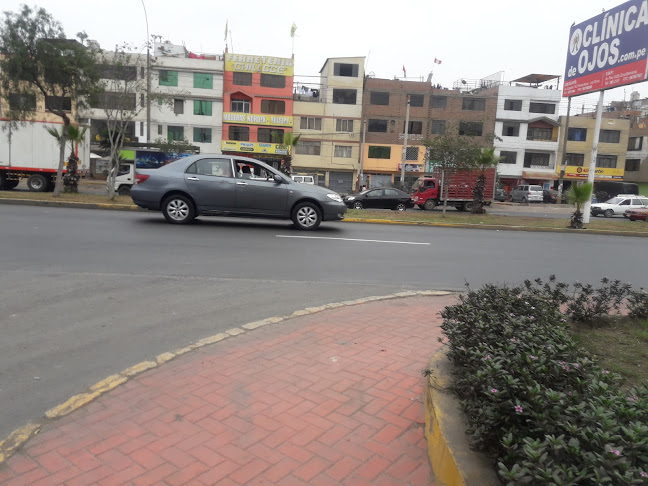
pixel 427 190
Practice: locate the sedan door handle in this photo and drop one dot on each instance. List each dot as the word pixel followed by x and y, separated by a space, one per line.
pixel 241 183
pixel 192 179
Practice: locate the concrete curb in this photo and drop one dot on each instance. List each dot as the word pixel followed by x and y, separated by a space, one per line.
pixel 20 436
pixel 132 207
pixel 452 460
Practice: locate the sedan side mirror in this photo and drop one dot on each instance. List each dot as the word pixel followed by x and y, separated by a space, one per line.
pixel 278 179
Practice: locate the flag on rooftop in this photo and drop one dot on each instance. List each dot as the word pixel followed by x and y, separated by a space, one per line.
pixel 404 72
pixel 293 29
pixel 437 61
pixel 226 29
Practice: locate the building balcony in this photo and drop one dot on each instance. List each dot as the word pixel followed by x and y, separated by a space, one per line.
pixel 537 138
pixel 550 167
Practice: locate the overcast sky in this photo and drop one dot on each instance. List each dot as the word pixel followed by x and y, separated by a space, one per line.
pixel 472 38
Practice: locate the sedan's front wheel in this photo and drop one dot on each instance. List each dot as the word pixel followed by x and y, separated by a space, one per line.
pixel 608 213
pixel 178 209
pixel 357 205
pixel 306 216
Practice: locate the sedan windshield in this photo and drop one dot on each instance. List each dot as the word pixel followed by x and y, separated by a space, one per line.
pixel 614 200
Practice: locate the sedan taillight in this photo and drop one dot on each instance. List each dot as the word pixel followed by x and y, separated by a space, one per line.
pixel 139 178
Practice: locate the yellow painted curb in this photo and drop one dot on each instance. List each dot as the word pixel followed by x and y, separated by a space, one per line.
pixel 138 368
pixel 17 438
pixel 453 462
pixel 212 339
pixel 77 401
pixel 109 383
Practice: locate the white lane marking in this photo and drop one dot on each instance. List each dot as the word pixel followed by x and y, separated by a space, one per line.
pixel 352 239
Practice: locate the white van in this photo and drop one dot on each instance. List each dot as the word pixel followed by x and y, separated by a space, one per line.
pixel 304 179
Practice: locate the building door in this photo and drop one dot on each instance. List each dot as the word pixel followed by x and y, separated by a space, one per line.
pixel 341 182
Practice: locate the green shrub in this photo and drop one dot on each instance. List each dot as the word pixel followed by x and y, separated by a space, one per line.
pixel 535 402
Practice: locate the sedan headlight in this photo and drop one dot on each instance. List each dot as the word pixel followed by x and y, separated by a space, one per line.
pixel 350 198
pixel 335 197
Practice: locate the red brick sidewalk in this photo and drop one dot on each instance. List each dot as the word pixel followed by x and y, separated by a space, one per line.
pixel 327 399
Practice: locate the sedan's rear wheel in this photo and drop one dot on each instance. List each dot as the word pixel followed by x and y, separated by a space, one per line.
pixel 306 216
pixel 357 205
pixel 608 213
pixel 401 207
pixel 178 209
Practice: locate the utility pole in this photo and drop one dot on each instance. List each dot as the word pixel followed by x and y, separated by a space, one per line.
pixel 563 166
pixel 148 77
pixel 592 167
pixel 362 148
pixel 405 144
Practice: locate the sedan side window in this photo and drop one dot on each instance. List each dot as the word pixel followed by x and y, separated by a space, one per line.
pixel 375 193
pixel 211 167
pixel 391 192
pixel 625 202
pixel 249 170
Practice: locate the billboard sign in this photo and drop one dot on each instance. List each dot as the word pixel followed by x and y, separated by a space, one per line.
pixel 608 50
pixel 281 66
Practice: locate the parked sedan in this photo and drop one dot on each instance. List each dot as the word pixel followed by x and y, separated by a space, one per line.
pixel 549 196
pixel 638 214
pixel 501 195
pixel 387 198
pixel 221 185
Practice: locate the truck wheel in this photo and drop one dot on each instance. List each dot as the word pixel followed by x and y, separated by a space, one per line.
pixel 429 205
pixel 421 206
pixel 3 181
pixel 467 206
pixel 306 216
pixel 37 183
pixel 124 190
pixel 178 209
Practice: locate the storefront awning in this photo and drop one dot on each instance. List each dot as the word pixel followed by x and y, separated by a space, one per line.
pixel 527 174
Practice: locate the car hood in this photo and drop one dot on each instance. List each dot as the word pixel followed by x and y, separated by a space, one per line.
pixel 311 189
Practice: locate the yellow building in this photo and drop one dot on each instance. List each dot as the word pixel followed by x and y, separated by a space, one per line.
pixel 328 117
pixel 612 148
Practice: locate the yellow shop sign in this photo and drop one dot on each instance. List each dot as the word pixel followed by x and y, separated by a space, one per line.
pixel 574 172
pixel 255 119
pixel 280 66
pixel 253 147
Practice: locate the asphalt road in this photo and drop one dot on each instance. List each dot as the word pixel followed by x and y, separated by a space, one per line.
pixel 87 293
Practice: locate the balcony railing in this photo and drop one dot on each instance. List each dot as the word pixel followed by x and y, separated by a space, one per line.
pixel 528 165
pixel 540 138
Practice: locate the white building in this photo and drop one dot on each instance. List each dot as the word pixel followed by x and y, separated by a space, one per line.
pixel 528 128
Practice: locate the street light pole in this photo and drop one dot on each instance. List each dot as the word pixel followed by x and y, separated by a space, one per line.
pixel 405 144
pixel 563 164
pixel 148 78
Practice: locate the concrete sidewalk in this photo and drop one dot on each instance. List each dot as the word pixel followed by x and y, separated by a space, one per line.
pixel 333 397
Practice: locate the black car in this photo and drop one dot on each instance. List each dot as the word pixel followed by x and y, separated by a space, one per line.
pixel 501 195
pixel 384 198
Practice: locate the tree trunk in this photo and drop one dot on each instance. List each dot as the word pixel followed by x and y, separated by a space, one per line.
pixel 445 195
pixel 59 173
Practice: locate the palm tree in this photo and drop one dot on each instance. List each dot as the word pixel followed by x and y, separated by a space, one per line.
pixel 289 141
pixel 73 134
pixel 487 158
pixel 579 194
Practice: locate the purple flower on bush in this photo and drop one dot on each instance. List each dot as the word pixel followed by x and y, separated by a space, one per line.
pixel 513 340
pixel 493 390
pixel 633 398
pixel 570 394
pixel 532 357
pixel 512 315
pixel 605 372
pixel 487 357
pixel 644 474
pixel 575 365
pixel 518 409
pixel 566 368
pixel 615 452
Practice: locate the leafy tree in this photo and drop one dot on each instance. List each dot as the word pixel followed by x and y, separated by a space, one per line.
pixel 174 146
pixel 74 135
pixel 451 153
pixel 579 194
pixel 486 159
pixel 288 143
pixel 39 62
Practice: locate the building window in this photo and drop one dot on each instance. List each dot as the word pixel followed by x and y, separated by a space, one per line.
pixel 175 133
pixel 142 99
pixel 240 106
pixel 632 165
pixel 635 143
pixel 159 129
pixel 438 102
pixel 62 103
pixel 379 98
pixel 308 147
pixel 342 151
pixel 202 135
pixel 414 128
pixel 273 81
pixel 511 129
pixel 549 108
pixel 203 81
pixel 307 123
pixel 168 78
pixel 242 79
pixel 609 136
pixel 115 101
pixel 239 133
pixel 270 135
pixel 202 108
pixel 178 106
pixel 344 96
pixel 347 70
pixel 437 127
pixel 273 107
pixel 508 157
pixel 575 160
pixel 577 134
pixel 378 152
pixel 379 126
pixel 119 72
pixel 513 105
pixel 538 133
pixel 535 159
pixel 471 129
pixel 416 99
pixel 412 153
pixel 344 125
pixel 606 161
pixel 473 104
pixel 20 102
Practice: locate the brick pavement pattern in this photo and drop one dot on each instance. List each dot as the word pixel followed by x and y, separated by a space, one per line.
pixel 333 398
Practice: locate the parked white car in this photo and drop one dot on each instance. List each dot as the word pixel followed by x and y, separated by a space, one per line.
pixel 618 205
pixel 304 179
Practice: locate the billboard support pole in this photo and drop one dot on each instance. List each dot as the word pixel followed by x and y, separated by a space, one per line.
pixel 592 167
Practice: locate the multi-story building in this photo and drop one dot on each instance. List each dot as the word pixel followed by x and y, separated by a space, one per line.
pixel 527 130
pixel 612 148
pixel 258 101
pixel 328 120
pixel 636 164
pixel 433 111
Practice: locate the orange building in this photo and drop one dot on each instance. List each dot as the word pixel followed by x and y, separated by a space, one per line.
pixel 257 106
